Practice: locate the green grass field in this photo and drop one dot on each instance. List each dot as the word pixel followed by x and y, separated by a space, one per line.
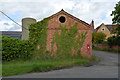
pixel 38 65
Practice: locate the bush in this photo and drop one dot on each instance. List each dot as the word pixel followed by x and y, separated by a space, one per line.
pixel 14 48
pixel 98 37
pixel 114 40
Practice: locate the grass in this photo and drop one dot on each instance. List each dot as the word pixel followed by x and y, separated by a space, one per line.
pixel 39 65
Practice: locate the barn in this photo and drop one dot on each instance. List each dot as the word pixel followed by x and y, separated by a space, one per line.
pixel 65 34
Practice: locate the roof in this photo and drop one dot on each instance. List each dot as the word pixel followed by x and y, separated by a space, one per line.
pixel 14 34
pixel 10 32
pixel 65 13
pixel 109 26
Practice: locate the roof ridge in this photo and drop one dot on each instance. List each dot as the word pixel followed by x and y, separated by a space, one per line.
pixel 108 24
pixel 73 17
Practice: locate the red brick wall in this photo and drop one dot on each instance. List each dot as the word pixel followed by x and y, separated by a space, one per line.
pixel 55 23
pixel 88 40
pixel 106 46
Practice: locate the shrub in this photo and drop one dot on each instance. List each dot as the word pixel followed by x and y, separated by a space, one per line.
pixel 14 48
pixel 98 37
pixel 114 40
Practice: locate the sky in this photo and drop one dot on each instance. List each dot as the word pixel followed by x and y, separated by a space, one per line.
pixel 86 10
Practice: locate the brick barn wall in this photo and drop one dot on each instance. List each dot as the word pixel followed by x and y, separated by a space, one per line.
pixel 88 40
pixel 55 23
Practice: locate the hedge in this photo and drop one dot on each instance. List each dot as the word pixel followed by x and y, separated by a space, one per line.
pixel 114 40
pixel 14 48
pixel 98 37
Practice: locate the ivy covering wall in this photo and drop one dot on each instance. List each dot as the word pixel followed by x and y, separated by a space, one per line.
pixel 69 42
pixel 38 35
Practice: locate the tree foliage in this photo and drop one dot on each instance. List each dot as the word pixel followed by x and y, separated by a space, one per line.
pixel 116 14
pixel 116 19
pixel 114 40
pixel 98 37
pixel 116 31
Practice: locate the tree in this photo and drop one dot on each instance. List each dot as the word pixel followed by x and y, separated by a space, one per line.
pixel 116 31
pixel 114 40
pixel 116 14
pixel 116 19
pixel 98 37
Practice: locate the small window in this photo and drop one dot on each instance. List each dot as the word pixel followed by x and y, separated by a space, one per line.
pixel 62 19
pixel 103 29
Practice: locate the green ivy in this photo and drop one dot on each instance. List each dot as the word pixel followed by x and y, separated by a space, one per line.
pixel 38 35
pixel 67 41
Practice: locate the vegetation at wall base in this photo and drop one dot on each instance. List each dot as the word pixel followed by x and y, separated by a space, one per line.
pixel 41 65
pixel 106 49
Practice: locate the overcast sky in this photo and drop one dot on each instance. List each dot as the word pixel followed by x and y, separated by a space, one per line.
pixel 86 10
